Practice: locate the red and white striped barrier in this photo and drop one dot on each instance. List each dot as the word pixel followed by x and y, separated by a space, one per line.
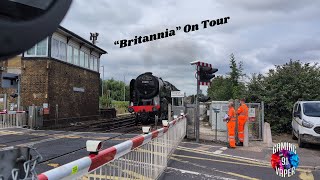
pixel 88 164
pixel 11 112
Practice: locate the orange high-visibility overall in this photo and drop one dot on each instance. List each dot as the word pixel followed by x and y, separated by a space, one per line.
pixel 242 119
pixel 231 127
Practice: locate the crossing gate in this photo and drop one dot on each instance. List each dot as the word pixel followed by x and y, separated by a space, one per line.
pixel 142 157
pixel 10 119
pixel 191 129
pixel 255 119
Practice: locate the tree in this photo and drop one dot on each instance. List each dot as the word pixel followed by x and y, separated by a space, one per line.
pixel 225 88
pixel 117 89
pixel 281 88
pixel 220 89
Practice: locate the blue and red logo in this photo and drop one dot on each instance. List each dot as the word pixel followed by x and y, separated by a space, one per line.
pixel 285 159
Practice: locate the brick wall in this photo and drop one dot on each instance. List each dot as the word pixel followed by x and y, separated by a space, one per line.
pixel 62 79
pixel 52 82
pixel 34 83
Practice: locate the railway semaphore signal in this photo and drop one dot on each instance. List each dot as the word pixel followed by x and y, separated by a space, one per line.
pixel 204 74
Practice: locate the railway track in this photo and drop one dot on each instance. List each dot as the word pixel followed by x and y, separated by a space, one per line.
pixel 106 125
pixel 119 124
pixel 133 130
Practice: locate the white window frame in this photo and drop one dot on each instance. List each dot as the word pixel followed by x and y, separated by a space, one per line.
pixel 86 61
pixel 82 64
pixel 35 46
pixel 71 60
pixel 66 49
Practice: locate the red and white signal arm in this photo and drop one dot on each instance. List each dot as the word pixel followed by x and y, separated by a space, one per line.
pixel 203 64
pixel 252 114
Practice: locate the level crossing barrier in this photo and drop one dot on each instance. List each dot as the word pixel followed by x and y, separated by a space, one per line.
pixel 142 157
pixel 9 119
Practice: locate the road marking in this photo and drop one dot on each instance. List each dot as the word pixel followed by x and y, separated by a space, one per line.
pixel 53 165
pixel 199 144
pixel 222 161
pixel 199 174
pixel 306 176
pixel 247 160
pixel 224 148
pixel 229 173
pixel 238 175
pixel 217 152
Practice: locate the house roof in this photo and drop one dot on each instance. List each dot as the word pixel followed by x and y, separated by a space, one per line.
pixel 72 35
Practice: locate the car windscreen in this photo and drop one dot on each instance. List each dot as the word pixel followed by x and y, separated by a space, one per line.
pixel 311 109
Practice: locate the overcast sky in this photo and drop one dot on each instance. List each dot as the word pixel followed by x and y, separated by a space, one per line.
pixel 259 33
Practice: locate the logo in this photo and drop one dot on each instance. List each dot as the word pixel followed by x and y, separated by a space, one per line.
pixel 284 159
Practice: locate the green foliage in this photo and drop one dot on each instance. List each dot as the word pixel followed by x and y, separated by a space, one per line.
pixel 114 90
pixel 121 106
pixel 225 88
pixel 220 89
pixel 281 88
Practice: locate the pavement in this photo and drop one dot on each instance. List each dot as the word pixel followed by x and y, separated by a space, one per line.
pixel 57 147
pixel 210 159
pixel 191 160
pixel 214 161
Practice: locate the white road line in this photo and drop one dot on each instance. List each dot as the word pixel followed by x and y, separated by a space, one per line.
pixel 217 152
pixel 224 148
pixel 198 174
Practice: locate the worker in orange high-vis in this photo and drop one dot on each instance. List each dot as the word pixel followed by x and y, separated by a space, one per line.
pixel 231 125
pixel 242 119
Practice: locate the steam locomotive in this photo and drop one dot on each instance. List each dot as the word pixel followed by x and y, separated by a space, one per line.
pixel 150 96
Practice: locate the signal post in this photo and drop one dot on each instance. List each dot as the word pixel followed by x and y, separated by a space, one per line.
pixel 204 74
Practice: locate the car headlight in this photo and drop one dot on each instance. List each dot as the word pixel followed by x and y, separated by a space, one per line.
pixel 307 124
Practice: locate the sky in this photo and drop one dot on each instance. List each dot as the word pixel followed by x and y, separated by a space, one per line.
pixel 261 34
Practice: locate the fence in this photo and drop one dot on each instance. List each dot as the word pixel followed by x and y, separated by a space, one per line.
pixel 12 119
pixel 219 128
pixel 256 120
pixel 143 157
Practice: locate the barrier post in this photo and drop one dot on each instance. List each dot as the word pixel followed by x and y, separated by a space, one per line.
pixel 142 157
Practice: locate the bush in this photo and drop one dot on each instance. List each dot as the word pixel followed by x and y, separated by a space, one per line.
pixel 121 106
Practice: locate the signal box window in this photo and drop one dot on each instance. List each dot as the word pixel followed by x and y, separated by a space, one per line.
pixel 70 54
pixel 40 49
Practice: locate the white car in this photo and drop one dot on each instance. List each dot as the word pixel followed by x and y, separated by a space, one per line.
pixel 306 122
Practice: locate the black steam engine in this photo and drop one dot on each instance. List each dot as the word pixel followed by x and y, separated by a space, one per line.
pixel 150 96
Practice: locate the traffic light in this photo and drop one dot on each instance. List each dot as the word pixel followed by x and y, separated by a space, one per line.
pixel 14 95
pixel 204 98
pixel 207 73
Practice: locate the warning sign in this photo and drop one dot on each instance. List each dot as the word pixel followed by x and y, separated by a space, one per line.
pixel 252 114
pixel 74 169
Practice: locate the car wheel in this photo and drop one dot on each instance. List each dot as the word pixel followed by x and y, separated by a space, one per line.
pixel 294 136
pixel 300 143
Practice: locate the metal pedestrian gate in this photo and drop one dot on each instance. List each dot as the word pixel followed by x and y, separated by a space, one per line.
pixel 191 111
pixel 255 120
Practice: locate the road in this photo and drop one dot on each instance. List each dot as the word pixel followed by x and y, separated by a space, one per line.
pixel 57 147
pixel 214 161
